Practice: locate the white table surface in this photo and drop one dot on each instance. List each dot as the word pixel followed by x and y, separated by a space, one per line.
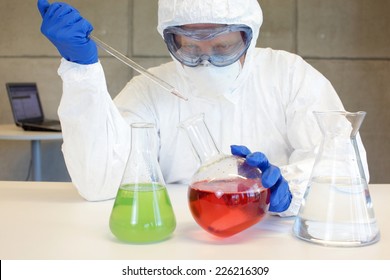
pixel 14 133
pixel 45 220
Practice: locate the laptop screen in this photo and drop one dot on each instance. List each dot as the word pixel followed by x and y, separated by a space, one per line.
pixel 25 102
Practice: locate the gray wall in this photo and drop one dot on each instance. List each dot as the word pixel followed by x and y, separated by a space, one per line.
pixel 347 40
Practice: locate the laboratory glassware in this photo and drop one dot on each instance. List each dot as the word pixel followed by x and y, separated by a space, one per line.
pixel 142 211
pixel 121 57
pixel 225 194
pixel 337 209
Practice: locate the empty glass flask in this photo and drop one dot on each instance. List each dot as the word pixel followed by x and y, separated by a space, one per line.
pixel 142 211
pixel 337 209
pixel 225 194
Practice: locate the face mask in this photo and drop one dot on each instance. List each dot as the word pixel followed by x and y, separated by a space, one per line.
pixel 211 81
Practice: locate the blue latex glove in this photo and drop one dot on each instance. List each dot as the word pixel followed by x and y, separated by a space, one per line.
pixel 271 177
pixel 68 31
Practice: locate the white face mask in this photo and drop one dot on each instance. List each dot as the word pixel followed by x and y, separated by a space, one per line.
pixel 212 81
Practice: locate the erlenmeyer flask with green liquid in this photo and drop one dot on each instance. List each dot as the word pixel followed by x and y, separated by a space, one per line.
pixel 142 212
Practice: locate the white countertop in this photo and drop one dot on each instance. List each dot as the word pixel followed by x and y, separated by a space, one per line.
pixel 44 220
pixel 12 132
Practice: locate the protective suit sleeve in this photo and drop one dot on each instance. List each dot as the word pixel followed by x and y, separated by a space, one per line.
pixel 96 137
pixel 310 91
pixel 298 173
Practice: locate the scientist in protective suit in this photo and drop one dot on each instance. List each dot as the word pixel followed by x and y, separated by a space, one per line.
pixel 258 98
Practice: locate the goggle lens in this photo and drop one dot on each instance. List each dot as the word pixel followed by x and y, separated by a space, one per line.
pixel 220 46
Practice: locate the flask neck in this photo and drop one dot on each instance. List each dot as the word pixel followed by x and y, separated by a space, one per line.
pixel 143 139
pixel 142 165
pixel 201 139
pixel 339 146
pixel 339 123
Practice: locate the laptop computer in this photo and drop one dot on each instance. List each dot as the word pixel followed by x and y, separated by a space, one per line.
pixel 27 109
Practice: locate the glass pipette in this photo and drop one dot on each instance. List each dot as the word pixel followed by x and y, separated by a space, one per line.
pixel 137 67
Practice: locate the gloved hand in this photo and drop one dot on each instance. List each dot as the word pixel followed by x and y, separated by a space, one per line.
pixel 271 177
pixel 68 31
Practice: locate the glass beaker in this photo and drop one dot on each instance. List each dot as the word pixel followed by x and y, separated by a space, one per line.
pixel 225 194
pixel 142 212
pixel 337 209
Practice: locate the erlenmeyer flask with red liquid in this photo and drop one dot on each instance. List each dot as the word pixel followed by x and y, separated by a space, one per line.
pixel 225 194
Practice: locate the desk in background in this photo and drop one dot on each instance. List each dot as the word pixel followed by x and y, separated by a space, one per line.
pixel 12 132
pixel 41 220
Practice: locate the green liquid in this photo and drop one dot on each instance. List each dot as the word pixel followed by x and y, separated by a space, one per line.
pixel 142 213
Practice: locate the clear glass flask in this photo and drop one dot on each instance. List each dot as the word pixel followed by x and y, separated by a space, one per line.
pixel 225 194
pixel 337 209
pixel 142 211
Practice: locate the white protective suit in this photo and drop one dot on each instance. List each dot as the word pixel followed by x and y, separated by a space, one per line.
pixel 268 109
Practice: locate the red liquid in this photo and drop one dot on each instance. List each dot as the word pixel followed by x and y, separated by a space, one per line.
pixel 224 208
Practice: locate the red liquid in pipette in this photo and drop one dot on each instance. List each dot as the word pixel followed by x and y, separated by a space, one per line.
pixel 224 208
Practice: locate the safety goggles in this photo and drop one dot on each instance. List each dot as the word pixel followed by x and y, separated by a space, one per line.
pixel 220 46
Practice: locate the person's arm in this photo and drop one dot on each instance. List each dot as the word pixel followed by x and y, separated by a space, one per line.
pixel 96 137
pixel 309 91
